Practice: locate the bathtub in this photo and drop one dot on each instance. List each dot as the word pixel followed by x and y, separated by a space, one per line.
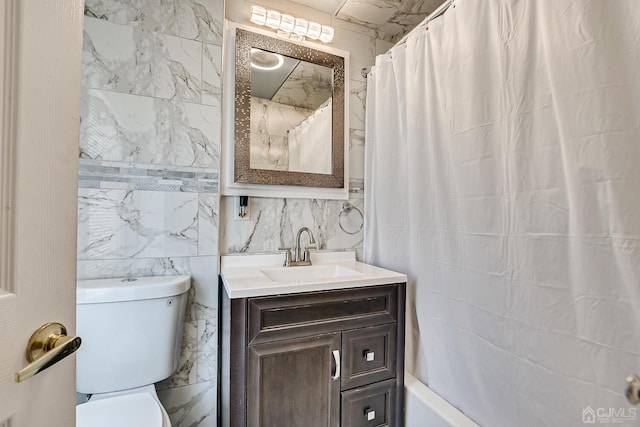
pixel 424 408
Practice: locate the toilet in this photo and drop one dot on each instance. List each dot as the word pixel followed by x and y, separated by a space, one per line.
pixel 131 332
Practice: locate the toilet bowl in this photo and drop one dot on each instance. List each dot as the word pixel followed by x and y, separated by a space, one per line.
pixel 131 333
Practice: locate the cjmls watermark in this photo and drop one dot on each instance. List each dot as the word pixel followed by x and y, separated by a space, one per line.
pixel 608 415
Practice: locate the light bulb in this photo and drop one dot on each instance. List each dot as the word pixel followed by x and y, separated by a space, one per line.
pixel 314 31
pixel 287 23
pixel 273 19
pixel 301 27
pixel 258 15
pixel 327 34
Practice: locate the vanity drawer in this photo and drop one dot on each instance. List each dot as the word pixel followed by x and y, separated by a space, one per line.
pixel 368 355
pixel 371 406
pixel 284 317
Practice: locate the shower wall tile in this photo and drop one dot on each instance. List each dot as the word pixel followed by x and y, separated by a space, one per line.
pixel 131 60
pixel 361 48
pixel 211 74
pixel 137 129
pixel 193 405
pixel 136 224
pixel 191 19
pixel 356 154
pixel 383 46
pixel 390 19
pixel 357 104
pixel 353 27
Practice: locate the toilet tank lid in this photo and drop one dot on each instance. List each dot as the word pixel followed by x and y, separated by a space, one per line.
pixel 130 289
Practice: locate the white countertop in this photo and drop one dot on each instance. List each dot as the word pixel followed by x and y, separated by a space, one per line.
pixel 243 274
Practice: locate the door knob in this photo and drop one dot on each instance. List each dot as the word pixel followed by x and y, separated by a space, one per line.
pixel 48 345
pixel 633 389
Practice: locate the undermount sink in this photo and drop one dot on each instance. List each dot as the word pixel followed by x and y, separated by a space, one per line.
pixel 311 273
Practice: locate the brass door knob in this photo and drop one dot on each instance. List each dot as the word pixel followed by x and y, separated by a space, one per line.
pixel 48 345
pixel 633 389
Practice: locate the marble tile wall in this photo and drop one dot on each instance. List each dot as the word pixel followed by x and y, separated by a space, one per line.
pixel 390 19
pixel 274 223
pixel 148 199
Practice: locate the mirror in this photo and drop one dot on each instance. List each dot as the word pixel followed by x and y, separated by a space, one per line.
pixel 289 113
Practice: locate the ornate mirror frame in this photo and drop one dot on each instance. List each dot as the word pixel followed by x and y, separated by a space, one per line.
pixel 245 40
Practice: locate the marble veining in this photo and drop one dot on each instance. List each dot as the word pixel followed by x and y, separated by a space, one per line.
pixel 192 19
pixel 208 224
pixel 260 235
pixel 391 19
pixel 270 122
pixel 136 224
pixel 357 104
pixel 193 405
pixel 211 74
pixel 308 86
pixel 132 60
pixel 356 154
pixel 123 127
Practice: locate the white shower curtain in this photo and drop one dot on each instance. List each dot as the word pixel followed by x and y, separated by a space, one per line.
pixel 503 176
pixel 308 147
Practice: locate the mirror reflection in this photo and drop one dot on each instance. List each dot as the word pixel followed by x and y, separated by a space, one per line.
pixel 291 114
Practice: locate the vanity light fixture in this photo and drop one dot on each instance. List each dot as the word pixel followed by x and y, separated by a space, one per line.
pixel 288 27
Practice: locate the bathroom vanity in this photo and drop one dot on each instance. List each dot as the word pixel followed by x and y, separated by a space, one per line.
pixel 313 346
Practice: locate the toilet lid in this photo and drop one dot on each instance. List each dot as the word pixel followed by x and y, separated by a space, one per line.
pixel 131 410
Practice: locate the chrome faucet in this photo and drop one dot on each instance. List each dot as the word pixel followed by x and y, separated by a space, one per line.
pixel 303 257
pixel 300 256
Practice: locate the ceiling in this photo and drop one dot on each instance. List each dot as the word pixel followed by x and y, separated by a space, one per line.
pixel 391 19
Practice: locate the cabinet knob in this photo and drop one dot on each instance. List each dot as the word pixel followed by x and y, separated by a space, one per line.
pixel 369 356
pixel 370 414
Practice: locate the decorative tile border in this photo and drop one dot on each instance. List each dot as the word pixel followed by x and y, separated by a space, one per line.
pixel 105 175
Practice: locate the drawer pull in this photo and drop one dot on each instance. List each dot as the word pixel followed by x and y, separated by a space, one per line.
pixel 336 359
pixel 370 414
pixel 370 356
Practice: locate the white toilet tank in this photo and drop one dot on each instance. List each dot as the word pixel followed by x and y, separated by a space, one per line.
pixel 131 331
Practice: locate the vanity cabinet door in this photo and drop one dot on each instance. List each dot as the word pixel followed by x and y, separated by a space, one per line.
pixel 294 383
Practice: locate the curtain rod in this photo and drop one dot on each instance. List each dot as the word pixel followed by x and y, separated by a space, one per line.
pixel 433 15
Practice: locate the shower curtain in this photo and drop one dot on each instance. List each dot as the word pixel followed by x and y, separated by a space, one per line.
pixel 503 176
pixel 308 150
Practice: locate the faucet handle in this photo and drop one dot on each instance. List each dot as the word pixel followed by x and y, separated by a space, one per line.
pixel 307 255
pixel 287 255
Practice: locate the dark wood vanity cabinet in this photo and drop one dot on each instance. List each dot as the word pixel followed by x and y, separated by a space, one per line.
pixel 314 359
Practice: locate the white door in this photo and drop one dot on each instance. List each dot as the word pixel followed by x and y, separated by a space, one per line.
pixel 40 59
